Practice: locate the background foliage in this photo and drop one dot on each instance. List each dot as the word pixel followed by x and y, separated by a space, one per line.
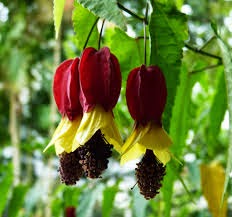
pixel 190 40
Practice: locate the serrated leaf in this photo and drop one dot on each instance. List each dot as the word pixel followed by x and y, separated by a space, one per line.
pixel 108 200
pixel 139 204
pixel 227 61
pixel 217 111
pixel 6 179
pixel 178 132
pixel 168 31
pixel 107 10
pixel 58 9
pixel 83 20
pixel 17 200
pixel 87 201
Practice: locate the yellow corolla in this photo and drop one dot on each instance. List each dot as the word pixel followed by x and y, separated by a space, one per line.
pixel 97 119
pixel 150 136
pixel 64 135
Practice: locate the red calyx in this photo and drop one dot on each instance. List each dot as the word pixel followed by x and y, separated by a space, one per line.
pixel 146 94
pixel 66 88
pixel 100 79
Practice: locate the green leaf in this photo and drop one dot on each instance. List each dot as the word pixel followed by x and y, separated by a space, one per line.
pixel 17 200
pixel 139 204
pixel 83 20
pixel 227 61
pixel 107 10
pixel 168 31
pixel 58 9
pixel 108 200
pixel 6 179
pixel 87 201
pixel 71 195
pixel 217 111
pixel 178 132
pixel 129 51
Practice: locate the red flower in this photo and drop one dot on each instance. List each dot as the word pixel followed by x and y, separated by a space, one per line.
pixel 66 89
pixel 100 84
pixel 100 79
pixel 146 94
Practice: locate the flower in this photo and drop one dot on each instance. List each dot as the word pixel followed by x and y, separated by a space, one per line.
pixel 66 91
pixel 146 98
pixel 100 83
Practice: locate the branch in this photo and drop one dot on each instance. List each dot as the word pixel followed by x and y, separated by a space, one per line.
pixel 205 68
pixel 143 19
pixel 203 52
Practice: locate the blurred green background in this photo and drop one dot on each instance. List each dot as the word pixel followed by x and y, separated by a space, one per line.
pixel 29 55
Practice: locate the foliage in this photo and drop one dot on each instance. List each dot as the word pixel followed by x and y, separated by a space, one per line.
pixel 195 56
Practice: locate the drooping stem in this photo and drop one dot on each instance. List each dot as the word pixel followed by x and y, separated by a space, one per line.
pixel 90 32
pixel 100 35
pixel 145 35
pixel 132 13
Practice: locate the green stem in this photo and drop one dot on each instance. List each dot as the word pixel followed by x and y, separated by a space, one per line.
pixel 132 13
pixel 90 32
pixel 100 35
pixel 145 36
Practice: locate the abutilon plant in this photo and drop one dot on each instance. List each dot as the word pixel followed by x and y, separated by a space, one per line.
pixel 66 91
pixel 100 85
pixel 85 91
pixel 146 95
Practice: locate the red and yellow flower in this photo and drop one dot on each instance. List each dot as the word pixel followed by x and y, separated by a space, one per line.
pixel 100 85
pixel 66 91
pixel 146 98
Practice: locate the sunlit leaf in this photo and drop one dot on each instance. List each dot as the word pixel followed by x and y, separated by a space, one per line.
pixel 217 111
pixel 83 20
pixel 108 200
pixel 58 9
pixel 212 182
pixel 107 10
pixel 227 61
pixel 178 131
pixel 6 179
pixel 17 200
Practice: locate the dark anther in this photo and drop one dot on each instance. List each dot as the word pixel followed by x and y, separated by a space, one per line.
pixel 94 155
pixel 149 173
pixel 70 169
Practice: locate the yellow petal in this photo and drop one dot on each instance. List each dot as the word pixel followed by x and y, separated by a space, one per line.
pixel 94 120
pixel 157 140
pixel 64 135
pixel 133 153
pixel 212 182
pixel 151 137
pixel 58 149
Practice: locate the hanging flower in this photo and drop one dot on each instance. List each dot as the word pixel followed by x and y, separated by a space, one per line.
pixel 146 98
pixel 100 83
pixel 66 91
